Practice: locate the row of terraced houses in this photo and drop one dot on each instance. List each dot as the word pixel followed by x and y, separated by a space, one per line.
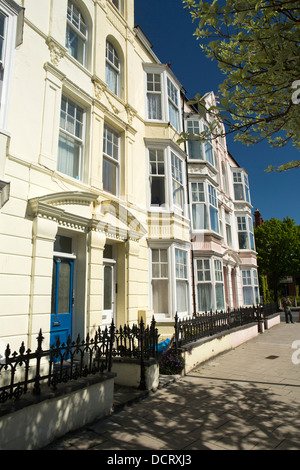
pixel 104 215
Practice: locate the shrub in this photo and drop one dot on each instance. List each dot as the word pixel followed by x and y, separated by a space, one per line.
pixel 171 362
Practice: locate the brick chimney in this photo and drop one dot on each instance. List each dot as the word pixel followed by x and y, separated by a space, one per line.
pixel 258 218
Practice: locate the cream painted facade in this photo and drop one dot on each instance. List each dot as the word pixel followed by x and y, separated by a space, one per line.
pixel 95 220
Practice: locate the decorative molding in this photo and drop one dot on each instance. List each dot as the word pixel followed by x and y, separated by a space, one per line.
pixel 56 51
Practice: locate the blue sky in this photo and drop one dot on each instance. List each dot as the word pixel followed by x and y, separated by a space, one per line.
pixel 170 30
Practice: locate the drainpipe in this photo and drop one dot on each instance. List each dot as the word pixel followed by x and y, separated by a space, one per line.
pixel 188 201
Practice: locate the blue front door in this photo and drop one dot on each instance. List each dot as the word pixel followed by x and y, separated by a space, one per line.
pixel 62 299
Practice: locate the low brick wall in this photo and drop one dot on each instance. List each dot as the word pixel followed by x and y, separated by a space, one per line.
pixel 272 320
pixel 34 421
pixel 209 347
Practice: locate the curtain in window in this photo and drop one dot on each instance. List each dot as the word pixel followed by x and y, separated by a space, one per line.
pixel 160 289
pixel 238 192
pixel 248 295
pixel 154 106
pixel 181 296
pixel 199 216
pixel 220 297
pixel 204 297
pixel 68 156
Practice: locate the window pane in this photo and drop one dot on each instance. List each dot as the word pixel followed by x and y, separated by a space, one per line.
pixel 181 296
pixel 220 297
pixel 204 297
pixel 154 106
pixel 109 176
pixel 63 305
pixel 160 296
pixel 173 116
pixel 112 79
pixel 214 220
pixel 238 192
pixel 68 161
pixel 157 187
pixel 2 24
pixel 108 279
pixel 243 241
pixel 75 45
pixel 195 149
pixel 248 295
pixel 199 216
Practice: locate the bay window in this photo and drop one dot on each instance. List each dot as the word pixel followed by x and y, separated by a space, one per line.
pixel 197 149
pixel 195 146
pixel 166 180
pixel 162 96
pixel 199 211
pixel 204 285
pixel 210 285
pixel 154 96
pixel 111 160
pixel 160 281
pixel 241 186
pixel 169 280
pixel 204 206
pixel 250 287
pixel 71 139
pixel 157 177
pixel 76 35
pixel 245 233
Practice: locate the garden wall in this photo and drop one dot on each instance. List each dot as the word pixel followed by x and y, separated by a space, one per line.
pixel 208 347
pixel 33 422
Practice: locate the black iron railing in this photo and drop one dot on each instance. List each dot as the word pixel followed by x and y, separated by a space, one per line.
pixel 137 342
pixel 61 363
pixel 26 370
pixel 210 323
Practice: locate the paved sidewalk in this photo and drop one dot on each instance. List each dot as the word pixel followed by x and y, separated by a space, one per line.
pixel 244 399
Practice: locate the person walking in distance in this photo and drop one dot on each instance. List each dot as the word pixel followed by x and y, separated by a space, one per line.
pixel 286 303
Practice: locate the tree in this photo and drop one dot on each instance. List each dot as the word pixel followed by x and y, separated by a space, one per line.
pixel 256 44
pixel 278 250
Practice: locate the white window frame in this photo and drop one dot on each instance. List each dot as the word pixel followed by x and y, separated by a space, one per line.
pixel 174 276
pixel 197 126
pixel 155 172
pixel 245 225
pixel 173 176
pixel 78 139
pixel 169 94
pixel 116 69
pixel 118 4
pixel 249 280
pixel 112 159
pixel 173 103
pixel 13 36
pixel 71 25
pixel 209 272
pixel 241 179
pixel 210 202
